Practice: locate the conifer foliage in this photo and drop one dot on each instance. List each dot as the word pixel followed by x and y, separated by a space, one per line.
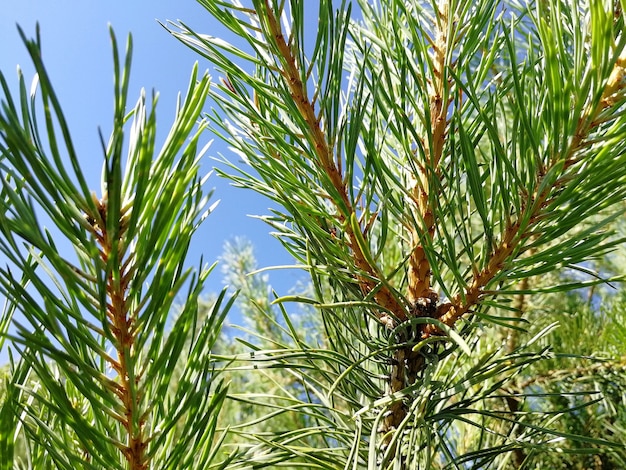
pixel 429 162
pixel 93 387
pixel 451 175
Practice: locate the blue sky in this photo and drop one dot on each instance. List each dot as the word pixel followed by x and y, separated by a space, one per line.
pixel 78 57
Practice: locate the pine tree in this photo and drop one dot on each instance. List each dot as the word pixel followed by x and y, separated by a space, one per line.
pixel 91 386
pixel 436 168
pixel 451 175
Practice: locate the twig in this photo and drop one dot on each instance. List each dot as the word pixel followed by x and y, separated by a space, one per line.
pixel 291 74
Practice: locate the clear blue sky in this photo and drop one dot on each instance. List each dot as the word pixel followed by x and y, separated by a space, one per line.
pixel 77 54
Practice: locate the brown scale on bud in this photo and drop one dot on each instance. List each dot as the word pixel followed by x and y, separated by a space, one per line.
pixel 425 306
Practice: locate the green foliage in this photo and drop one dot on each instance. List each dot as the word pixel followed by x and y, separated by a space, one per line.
pixel 268 390
pixel 92 387
pixel 596 333
pixel 450 174
pixel 433 166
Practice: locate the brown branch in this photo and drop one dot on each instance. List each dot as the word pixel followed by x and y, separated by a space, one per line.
pixel 501 257
pixel 122 329
pixel 419 272
pixel 407 363
pixel 291 74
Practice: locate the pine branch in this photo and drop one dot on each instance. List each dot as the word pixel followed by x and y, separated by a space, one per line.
pixel 407 362
pixel 600 368
pixel 424 196
pixel 87 407
pixel 122 327
pixel 440 165
pixel 536 207
pixel 346 213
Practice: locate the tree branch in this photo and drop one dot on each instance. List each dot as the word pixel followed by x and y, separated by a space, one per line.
pixel 291 74
pixel 502 255
pixel 122 326
pixel 419 267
